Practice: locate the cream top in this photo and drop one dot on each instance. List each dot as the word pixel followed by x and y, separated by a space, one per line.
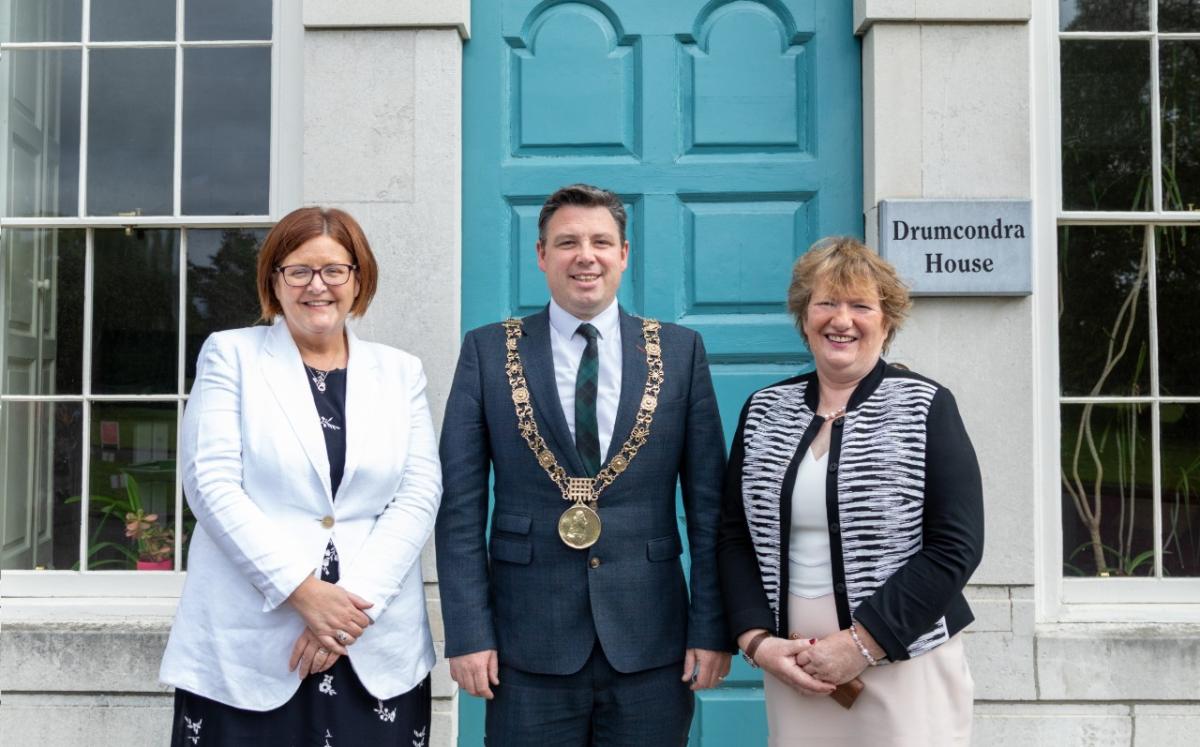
pixel 810 572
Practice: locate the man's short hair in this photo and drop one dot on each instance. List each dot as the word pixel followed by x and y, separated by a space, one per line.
pixel 582 195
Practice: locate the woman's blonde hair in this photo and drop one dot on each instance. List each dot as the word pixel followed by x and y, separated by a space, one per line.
pixel 848 265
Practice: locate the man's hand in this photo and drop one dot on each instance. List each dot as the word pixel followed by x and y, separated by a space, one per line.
pixel 476 672
pixel 705 669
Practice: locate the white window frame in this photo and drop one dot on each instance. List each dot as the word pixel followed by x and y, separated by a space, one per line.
pixel 287 62
pixel 1058 598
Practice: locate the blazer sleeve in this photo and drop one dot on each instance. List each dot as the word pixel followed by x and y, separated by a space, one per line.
pixel 210 456
pixel 462 559
pixel 746 605
pixel 700 479
pixel 394 545
pixel 912 600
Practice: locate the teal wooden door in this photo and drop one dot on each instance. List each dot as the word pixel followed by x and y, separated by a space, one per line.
pixel 732 130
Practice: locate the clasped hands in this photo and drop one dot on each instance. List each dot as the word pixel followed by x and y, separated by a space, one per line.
pixel 333 618
pixel 812 666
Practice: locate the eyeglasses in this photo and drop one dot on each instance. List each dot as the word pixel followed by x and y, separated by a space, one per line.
pixel 299 276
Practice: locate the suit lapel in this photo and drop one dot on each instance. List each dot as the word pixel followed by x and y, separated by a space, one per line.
pixel 286 377
pixel 363 389
pixel 633 381
pixel 538 360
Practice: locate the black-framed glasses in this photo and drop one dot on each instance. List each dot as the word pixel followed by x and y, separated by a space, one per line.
pixel 299 276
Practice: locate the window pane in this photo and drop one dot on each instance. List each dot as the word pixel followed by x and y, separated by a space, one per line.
pixel 1106 125
pixel 131 121
pixel 1104 15
pixel 1178 15
pixel 1108 491
pixel 40 20
pixel 1178 270
pixel 133 20
pixel 132 472
pixel 227 19
pixel 1179 82
pixel 226 131
pixel 1103 332
pixel 1181 488
pixel 135 312
pixel 222 292
pixel 42 477
pixel 42 285
pixel 41 132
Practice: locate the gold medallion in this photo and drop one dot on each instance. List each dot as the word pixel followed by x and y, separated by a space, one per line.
pixel 579 527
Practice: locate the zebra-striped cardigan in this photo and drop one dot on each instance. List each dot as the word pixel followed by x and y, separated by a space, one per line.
pixel 904 499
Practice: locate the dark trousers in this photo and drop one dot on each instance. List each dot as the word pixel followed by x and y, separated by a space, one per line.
pixel 597 706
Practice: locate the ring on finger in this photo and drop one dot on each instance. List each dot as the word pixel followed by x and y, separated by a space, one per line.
pixel 341 636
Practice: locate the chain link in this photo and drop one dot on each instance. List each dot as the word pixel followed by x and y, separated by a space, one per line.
pixel 527 425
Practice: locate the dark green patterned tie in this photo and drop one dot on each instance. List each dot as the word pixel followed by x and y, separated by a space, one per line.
pixel 587 432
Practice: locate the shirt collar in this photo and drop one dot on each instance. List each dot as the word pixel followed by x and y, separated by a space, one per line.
pixel 606 322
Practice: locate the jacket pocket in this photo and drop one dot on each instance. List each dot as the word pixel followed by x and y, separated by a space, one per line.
pixel 511 551
pixel 664 548
pixel 515 523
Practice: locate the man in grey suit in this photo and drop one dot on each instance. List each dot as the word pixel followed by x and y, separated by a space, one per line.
pixel 574 619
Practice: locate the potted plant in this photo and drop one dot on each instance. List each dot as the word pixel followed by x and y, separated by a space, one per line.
pixel 155 543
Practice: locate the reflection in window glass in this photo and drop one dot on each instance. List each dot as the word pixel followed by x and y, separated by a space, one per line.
pixel 1103 323
pixel 1106 125
pixel 1178 318
pixel 227 19
pixel 1108 490
pixel 132 478
pixel 222 292
pixel 41 132
pixel 135 312
pixel 1179 86
pixel 133 20
pixel 226 131
pixel 42 480
pixel 131 116
pixel 1178 15
pixel 1181 488
pixel 1104 15
pixel 40 20
pixel 42 271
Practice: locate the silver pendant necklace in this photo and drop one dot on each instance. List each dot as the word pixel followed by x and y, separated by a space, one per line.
pixel 318 377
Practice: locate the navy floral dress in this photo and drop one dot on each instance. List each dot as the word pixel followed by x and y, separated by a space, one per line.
pixel 331 708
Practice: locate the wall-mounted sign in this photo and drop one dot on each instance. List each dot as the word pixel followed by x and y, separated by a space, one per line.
pixel 959 247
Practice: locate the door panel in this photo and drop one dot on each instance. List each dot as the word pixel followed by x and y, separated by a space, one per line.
pixel 732 131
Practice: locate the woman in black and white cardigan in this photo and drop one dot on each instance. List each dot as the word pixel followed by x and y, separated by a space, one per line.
pixel 853 518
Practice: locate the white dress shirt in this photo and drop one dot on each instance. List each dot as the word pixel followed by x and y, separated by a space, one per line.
pixel 568 351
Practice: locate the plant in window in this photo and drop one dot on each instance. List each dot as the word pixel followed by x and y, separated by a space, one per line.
pixel 155 543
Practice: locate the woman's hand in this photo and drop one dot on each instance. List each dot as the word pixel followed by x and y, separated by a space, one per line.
pixel 835 658
pixel 335 616
pixel 309 656
pixel 778 656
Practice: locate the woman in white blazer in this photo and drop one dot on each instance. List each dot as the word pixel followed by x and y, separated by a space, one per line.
pixel 310 463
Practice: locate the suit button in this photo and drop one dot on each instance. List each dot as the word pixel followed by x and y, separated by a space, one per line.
pixel 833 467
pixel 594 562
pixel 840 588
pixel 835 527
pixel 327 522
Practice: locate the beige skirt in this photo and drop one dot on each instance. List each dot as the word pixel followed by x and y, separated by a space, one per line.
pixel 923 702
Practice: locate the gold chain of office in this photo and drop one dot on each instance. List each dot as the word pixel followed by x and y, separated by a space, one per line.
pixel 579 526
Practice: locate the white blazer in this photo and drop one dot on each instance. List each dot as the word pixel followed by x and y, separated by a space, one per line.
pixel 256 475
